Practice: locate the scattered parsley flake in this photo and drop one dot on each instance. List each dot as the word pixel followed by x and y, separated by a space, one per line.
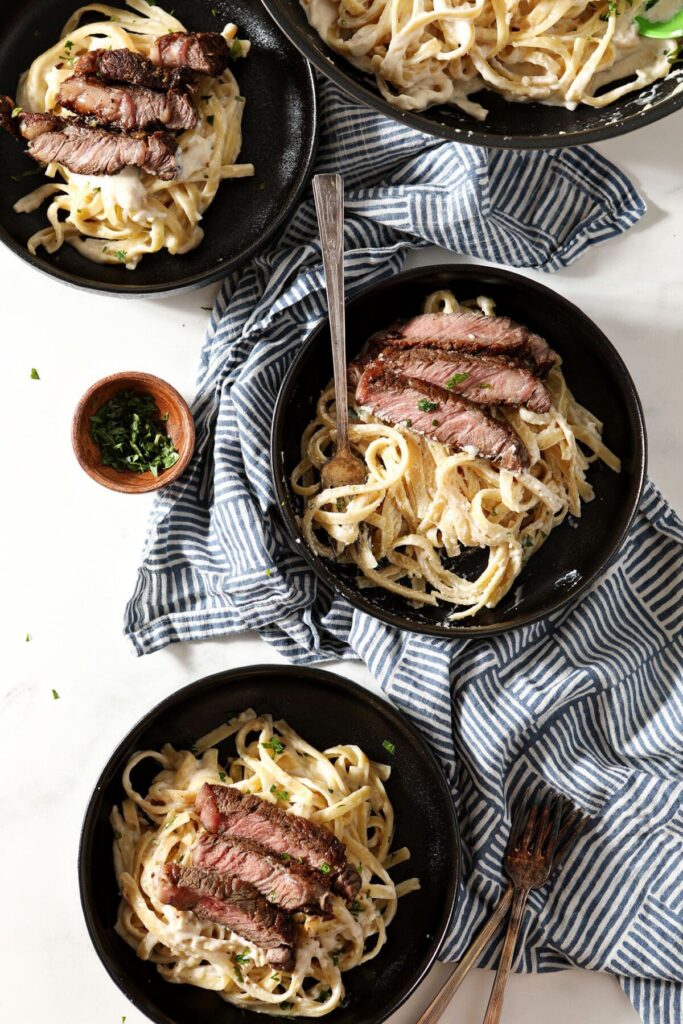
pixel 55 695
pixel 214 12
pixel 222 776
pixel 341 504
pixel 275 977
pixel 285 857
pixel 324 868
pixel 236 49
pixel 117 835
pixel 269 572
pixel 485 387
pixel 355 908
pixel 527 542
pixel 323 995
pixel 243 958
pixel 275 745
pixel 389 746
pixel 239 99
pixel 424 405
pixel 280 794
pixel 28 638
pixel 457 378
pixel 34 374
pixel 68 45
pixel 16 111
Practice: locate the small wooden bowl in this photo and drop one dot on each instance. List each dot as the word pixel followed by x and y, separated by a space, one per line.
pixel 180 428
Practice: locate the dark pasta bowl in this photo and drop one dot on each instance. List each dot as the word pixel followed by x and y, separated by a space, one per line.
pixel 577 551
pixel 325 709
pixel 280 133
pixel 508 125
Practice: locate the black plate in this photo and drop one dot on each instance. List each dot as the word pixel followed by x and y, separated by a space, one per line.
pixel 325 709
pixel 280 138
pixel 598 378
pixel 508 125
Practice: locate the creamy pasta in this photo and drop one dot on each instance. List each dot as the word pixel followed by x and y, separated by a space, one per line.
pixel 338 788
pixel 423 503
pixel 563 52
pixel 119 218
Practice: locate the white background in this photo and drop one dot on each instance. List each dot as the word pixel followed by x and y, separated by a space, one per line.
pixel 70 550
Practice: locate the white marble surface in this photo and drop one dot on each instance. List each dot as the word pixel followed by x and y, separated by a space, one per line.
pixel 68 559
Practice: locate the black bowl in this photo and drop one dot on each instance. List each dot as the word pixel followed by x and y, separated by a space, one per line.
pixel 508 125
pixel 327 709
pixel 280 138
pixel 571 559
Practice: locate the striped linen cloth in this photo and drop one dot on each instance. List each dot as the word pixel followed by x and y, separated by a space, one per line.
pixel 589 701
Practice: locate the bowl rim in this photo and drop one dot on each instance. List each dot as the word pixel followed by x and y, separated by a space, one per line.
pixel 356 597
pixel 147 381
pixel 468 137
pixel 264 672
pixel 201 278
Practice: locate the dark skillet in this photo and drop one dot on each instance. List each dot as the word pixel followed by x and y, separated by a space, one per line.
pixel 508 125
pixel 280 137
pixel 325 709
pixel 576 553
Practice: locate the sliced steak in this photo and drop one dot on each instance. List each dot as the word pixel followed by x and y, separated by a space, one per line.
pixel 485 380
pixel 470 332
pixel 235 904
pixel 86 150
pixel 132 68
pixel 127 107
pixel 205 52
pixel 225 810
pixel 283 881
pixel 440 415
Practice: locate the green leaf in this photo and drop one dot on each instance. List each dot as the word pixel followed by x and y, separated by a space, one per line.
pixel 424 405
pixel 275 745
pixel 222 776
pixel 236 49
pixel 55 695
pixel 324 868
pixel 389 746
pixel 280 794
pixel 243 958
pixel 16 111
pixel 131 435
pixel 457 378
pixel 117 835
pixel 34 374
pixel 28 638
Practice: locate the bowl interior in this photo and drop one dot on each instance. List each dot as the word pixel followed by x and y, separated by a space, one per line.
pixel 326 709
pixel 173 410
pixel 507 125
pixel 279 138
pixel 578 550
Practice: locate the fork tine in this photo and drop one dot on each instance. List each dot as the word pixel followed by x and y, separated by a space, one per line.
pixel 549 847
pixel 570 830
pixel 518 819
pixel 530 825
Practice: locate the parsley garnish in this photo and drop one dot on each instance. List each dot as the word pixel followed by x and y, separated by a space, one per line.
pixel 341 504
pixel 214 12
pixel 34 374
pixel 424 405
pixel 355 907
pixel 55 695
pixel 486 387
pixel 285 857
pixel 457 378
pixel 117 835
pixel 323 995
pixel 222 776
pixel 389 746
pixel 275 745
pixel 28 638
pixel 16 111
pixel 236 49
pixel 527 542
pixel 275 977
pixel 279 794
pixel 131 435
pixel 269 572
pixel 68 45
pixel 243 958
pixel 324 868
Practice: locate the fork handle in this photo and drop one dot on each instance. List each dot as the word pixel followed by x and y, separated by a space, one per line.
pixel 495 1006
pixel 436 1008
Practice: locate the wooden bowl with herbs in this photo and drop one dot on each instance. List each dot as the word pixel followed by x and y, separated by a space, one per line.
pixel 133 432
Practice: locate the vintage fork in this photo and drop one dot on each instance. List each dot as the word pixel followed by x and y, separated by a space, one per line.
pixel 571 828
pixel 528 861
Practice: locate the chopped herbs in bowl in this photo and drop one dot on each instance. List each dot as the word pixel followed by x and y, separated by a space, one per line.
pixel 133 432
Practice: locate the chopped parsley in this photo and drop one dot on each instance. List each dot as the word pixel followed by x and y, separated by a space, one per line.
pixel 355 908
pixel 117 835
pixel 239 99
pixel 389 746
pixel 235 52
pixel 353 413
pixel 324 868
pixel 457 378
pixel 28 638
pixel 285 857
pixel 424 405
pixel 341 504
pixel 68 45
pixel 485 387
pixel 55 695
pixel 34 374
pixel 131 435
pixel 275 977
pixel 280 794
pixel 527 542
pixel 16 111
pixel 323 995
pixel 222 776
pixel 269 572
pixel 243 958
pixel 435 423
pixel 214 12
pixel 408 423
pixel 275 745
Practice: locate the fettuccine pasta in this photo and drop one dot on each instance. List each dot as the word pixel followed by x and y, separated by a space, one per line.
pixel 423 503
pixel 563 52
pixel 338 788
pixel 120 218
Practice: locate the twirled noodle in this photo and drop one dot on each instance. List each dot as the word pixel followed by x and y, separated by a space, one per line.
pixel 423 503
pixel 338 788
pixel 119 218
pixel 563 52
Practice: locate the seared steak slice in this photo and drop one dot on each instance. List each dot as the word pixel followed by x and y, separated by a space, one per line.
pixel 132 68
pixel 440 415
pixel 225 810
pixel 485 380
pixel 235 904
pixel 282 880
pixel 86 150
pixel 470 332
pixel 127 106
pixel 26 126
pixel 205 52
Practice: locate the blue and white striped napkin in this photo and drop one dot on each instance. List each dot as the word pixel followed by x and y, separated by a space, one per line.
pixel 591 700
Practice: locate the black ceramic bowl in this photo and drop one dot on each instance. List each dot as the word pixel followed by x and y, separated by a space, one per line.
pixel 508 125
pixel 280 138
pixel 326 709
pixel 571 559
